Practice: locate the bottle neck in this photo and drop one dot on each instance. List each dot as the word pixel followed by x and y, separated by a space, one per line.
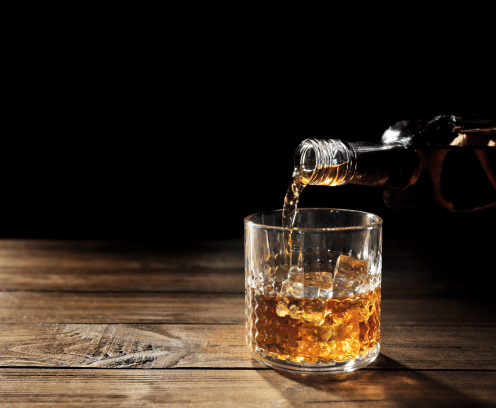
pixel 335 162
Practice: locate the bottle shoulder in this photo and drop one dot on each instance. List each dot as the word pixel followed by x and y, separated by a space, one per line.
pixel 442 131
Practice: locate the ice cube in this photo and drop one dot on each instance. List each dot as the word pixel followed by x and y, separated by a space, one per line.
pixel 292 287
pixel 350 277
pixel 305 295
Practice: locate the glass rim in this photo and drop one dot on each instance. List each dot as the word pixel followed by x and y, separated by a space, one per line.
pixel 373 225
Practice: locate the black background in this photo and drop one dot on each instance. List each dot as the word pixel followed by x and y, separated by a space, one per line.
pixel 117 141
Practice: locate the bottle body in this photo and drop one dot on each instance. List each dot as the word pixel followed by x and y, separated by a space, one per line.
pixel 445 159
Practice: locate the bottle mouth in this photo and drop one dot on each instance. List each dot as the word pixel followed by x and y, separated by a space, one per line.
pixel 312 155
pixel 324 162
pixel 306 158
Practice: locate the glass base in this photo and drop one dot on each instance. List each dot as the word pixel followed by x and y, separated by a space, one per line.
pixel 333 367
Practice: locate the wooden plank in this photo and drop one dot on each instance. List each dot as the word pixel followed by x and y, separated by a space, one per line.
pixel 118 346
pixel 216 266
pixel 63 307
pixel 247 388
pixel 121 255
pixel 197 279
pixel 224 346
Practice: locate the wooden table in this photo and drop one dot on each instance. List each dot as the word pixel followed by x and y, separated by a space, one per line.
pixel 118 324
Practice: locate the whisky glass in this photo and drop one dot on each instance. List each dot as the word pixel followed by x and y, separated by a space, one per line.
pixel 313 293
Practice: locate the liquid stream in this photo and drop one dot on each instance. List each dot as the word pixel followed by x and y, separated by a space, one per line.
pixel 326 176
pixel 313 329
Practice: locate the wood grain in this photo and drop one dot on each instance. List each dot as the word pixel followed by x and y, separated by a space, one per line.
pixel 93 324
pixel 84 307
pixel 63 307
pixel 223 346
pixel 246 388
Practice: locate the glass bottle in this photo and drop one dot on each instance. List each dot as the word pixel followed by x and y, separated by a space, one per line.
pixel 446 159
